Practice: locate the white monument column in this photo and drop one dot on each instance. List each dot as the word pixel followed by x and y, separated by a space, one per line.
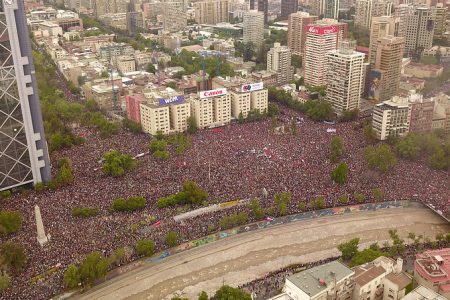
pixel 41 237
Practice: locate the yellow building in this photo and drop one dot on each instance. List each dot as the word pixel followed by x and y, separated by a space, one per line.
pixel 211 108
pixel 155 118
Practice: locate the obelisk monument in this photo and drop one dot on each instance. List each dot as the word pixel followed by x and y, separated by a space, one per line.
pixel 41 237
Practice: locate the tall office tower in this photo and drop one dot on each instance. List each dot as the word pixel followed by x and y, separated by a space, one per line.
pixel 326 8
pixel 342 27
pixel 211 11
pixel 254 28
pixel 345 77
pixel 279 61
pixel 320 39
pixel 263 6
pixel 384 77
pixel 365 10
pixel 297 31
pixel 288 7
pixel 402 12
pixel 23 149
pixel 174 16
pixel 419 30
pixel 441 19
pixel 102 7
pixel 135 20
pixel 381 27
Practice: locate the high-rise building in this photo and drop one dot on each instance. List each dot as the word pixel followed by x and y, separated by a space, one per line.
pixel 320 39
pixel 211 108
pixel 135 20
pixel 342 33
pixel 103 7
pixel 345 77
pixel 419 30
pixel 297 31
pixel 381 27
pixel 211 11
pixel 263 6
pixel 402 12
pixel 384 77
pixel 365 10
pixel 326 8
pixel 23 149
pixel 441 19
pixel 279 62
pixel 174 17
pixel 288 7
pixel 391 118
pixel 254 28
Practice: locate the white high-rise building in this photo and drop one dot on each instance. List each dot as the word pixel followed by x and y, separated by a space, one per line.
pixel 320 39
pixel 279 61
pixel 345 77
pixel 297 31
pixel 420 30
pixel 365 10
pixel 391 117
pixel 254 27
pixel 211 11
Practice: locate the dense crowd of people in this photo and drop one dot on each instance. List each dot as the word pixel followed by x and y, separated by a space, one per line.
pixel 233 162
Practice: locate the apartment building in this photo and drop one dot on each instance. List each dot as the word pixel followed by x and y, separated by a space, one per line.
pixel 174 17
pixel 211 108
pixel 326 8
pixel 345 77
pixel 166 112
pixel 441 15
pixel 297 23
pixel 381 27
pixel 126 64
pixel 320 39
pixel 288 7
pixel 391 117
pixel 402 12
pixel 211 11
pixel 384 77
pixel 342 29
pixel 419 29
pixel 365 10
pixel 133 104
pixel 422 111
pixel 279 62
pixel 432 270
pixel 253 30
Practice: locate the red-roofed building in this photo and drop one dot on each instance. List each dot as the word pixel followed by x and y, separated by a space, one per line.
pixel 432 270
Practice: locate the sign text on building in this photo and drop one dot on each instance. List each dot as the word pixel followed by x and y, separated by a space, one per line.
pixel 321 29
pixel 171 100
pixel 212 93
pixel 252 87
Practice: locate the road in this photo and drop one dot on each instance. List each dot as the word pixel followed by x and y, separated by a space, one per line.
pixel 245 257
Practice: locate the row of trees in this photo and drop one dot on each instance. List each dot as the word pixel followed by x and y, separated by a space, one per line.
pixel 224 293
pixel 191 194
pixel 130 204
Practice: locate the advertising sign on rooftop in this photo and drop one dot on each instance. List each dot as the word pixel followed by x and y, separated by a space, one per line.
pixel 321 29
pixel 252 87
pixel 172 100
pixel 212 93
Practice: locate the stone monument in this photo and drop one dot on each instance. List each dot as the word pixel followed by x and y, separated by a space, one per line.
pixel 41 237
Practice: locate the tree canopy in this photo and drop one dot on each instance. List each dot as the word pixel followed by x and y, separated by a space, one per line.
pixel 117 164
pixel 229 293
pixel 340 173
pixel 380 157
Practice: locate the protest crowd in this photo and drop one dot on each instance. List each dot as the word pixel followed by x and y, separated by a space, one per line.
pixel 233 162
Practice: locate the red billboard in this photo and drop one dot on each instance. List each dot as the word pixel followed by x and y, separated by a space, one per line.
pixel 322 29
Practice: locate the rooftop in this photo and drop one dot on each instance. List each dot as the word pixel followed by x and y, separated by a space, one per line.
pixel 400 279
pixel 434 265
pixel 368 275
pixel 423 293
pixel 316 280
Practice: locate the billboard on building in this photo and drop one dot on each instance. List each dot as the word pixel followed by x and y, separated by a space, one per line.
pixel 171 100
pixel 212 93
pixel 321 29
pixel 374 84
pixel 252 87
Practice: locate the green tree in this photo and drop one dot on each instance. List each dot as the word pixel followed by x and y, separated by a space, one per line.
pixel 117 164
pixel 380 157
pixel 408 148
pixel 336 148
pixel 241 118
pixel 257 211
pixel 281 201
pixel 145 247
pixel 378 194
pixel 194 194
pixel 369 134
pixel 93 267
pixel 439 160
pixel 13 255
pixel 272 110
pixel 367 255
pixel 398 247
pixel 349 249
pixel 84 212
pixel 319 110
pixel 150 68
pixel 192 125
pixel 172 239
pixel 229 293
pixel 203 296
pixel 5 281
pixel 294 127
pixel 72 276
pixel 340 173
pixel 296 61
pixel 318 203
pixel 10 222
pixel 359 197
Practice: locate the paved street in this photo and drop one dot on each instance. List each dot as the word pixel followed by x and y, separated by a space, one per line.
pixel 244 257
